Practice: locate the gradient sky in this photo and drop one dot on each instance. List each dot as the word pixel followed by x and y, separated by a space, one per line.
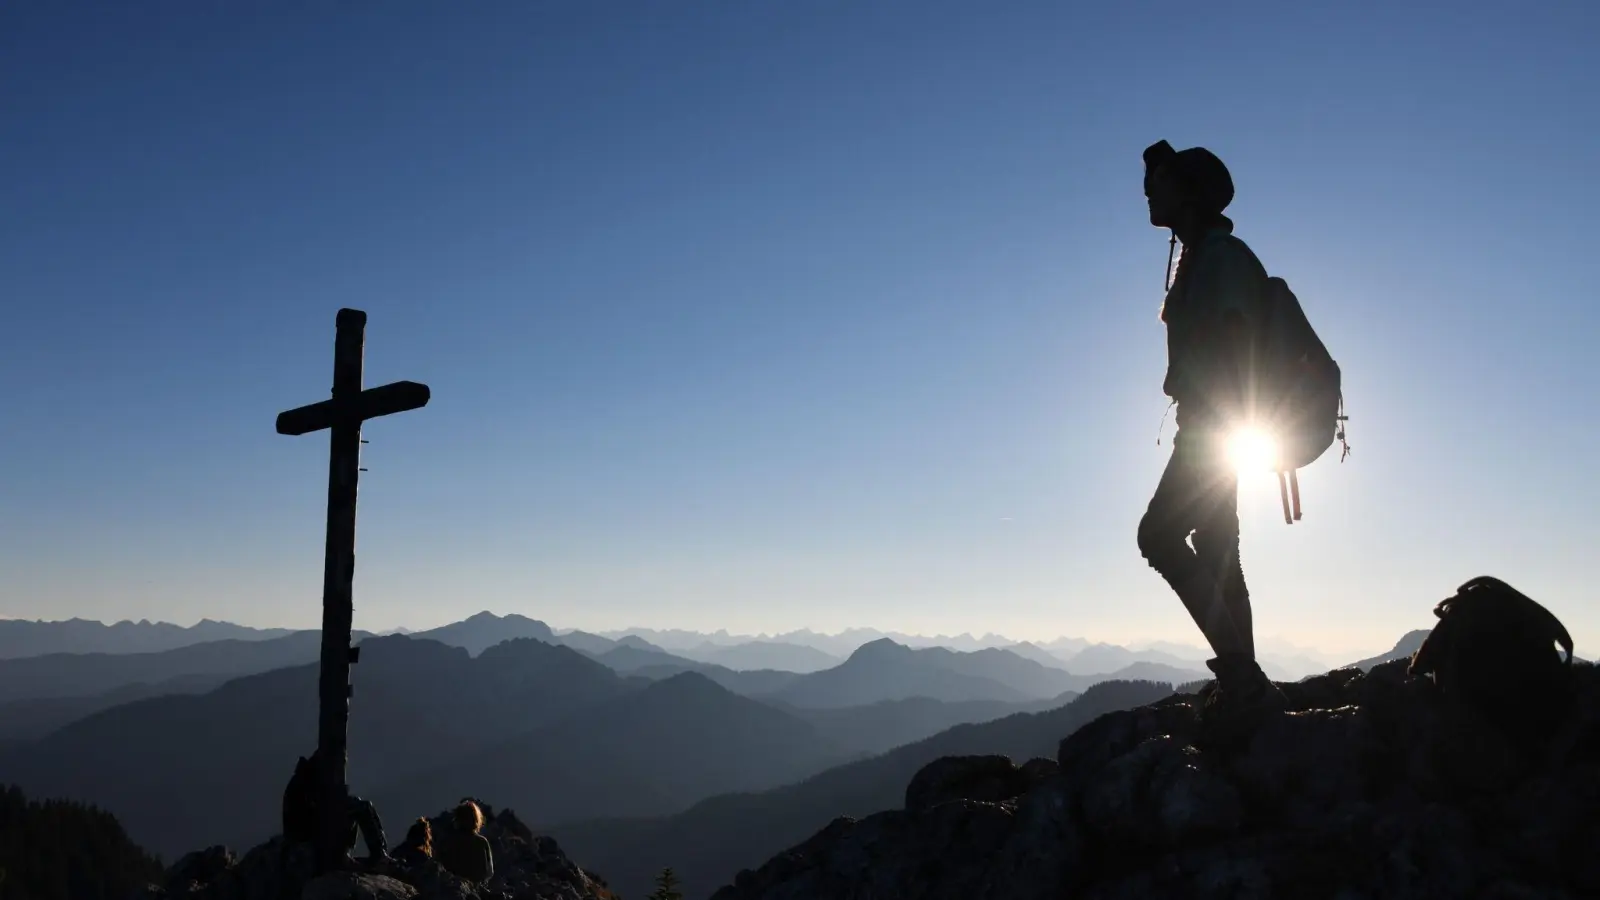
pixel 764 315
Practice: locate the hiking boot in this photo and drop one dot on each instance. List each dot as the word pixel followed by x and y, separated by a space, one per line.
pixel 1241 698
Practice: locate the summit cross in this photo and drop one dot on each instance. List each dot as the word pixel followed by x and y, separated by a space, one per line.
pixel 342 416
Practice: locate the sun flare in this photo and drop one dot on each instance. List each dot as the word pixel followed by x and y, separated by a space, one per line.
pixel 1251 451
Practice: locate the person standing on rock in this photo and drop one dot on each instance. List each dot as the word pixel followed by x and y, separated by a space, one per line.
pixel 1212 310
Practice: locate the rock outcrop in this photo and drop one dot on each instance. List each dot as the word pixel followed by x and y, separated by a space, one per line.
pixel 527 867
pixel 1373 787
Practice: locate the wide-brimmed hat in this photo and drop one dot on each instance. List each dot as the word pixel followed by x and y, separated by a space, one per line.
pixel 1209 183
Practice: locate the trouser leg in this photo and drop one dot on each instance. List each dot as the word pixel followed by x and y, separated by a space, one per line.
pixel 364 816
pixel 1216 545
pixel 1198 494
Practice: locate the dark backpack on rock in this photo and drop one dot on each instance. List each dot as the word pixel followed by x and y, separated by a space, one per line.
pixel 300 804
pixel 1494 650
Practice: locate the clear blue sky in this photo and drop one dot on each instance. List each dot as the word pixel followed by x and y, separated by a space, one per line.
pixel 769 315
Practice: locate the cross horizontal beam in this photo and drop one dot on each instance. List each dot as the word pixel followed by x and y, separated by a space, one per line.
pixel 371 403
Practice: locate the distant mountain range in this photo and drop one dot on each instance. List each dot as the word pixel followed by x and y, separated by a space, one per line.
pixel 28 719
pixel 883 670
pixel 641 749
pixel 838 645
pixel 58 675
pixel 544 727
pixel 159 764
pixel 802 651
pixel 479 632
pixel 41 692
pixel 757 655
pixel 22 637
pixel 648 752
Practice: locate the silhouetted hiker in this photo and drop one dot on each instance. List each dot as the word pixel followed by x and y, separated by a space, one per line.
pixel 301 810
pixel 462 850
pixel 1211 312
pixel 418 845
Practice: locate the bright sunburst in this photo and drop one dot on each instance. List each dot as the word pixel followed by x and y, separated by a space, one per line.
pixel 1251 451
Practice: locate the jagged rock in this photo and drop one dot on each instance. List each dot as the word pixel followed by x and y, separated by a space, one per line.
pixel 991 778
pixel 350 886
pixel 198 868
pixel 1370 787
pixel 527 867
pixel 1162 794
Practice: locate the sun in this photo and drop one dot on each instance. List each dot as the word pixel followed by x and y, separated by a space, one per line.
pixel 1251 450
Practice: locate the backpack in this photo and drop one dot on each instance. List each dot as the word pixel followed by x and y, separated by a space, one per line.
pixel 300 803
pixel 1297 396
pixel 1494 650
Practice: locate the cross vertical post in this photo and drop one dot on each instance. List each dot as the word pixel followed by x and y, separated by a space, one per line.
pixel 338 584
pixel 342 416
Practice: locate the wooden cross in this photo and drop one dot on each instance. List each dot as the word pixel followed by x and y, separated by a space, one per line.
pixel 342 417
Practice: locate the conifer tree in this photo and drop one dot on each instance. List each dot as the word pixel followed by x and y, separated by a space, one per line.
pixel 667 885
pixel 59 850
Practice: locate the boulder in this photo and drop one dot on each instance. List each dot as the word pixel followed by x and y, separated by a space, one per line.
pixel 1369 787
pixel 989 778
pixel 351 886
pixel 528 866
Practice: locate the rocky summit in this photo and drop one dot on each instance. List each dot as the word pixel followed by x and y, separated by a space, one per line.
pixel 527 867
pixel 1372 786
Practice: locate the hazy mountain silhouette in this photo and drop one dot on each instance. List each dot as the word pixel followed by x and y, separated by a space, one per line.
pixel 160 765
pixel 1006 667
pixel 885 670
pixel 479 632
pixel 1062 647
pixel 672 639
pixel 584 642
pixel 1403 648
pixel 25 637
pixel 1153 671
pixel 755 655
pixel 710 842
pixel 1178 664
pixel 851 639
pixel 626 658
pixel 90 674
pixel 1029 650
pixel 760 684
pixel 650 752
pixel 32 719
pixel 882 726
pixel 1102 659
pixel 838 646
pixel 638 643
pixel 631 657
